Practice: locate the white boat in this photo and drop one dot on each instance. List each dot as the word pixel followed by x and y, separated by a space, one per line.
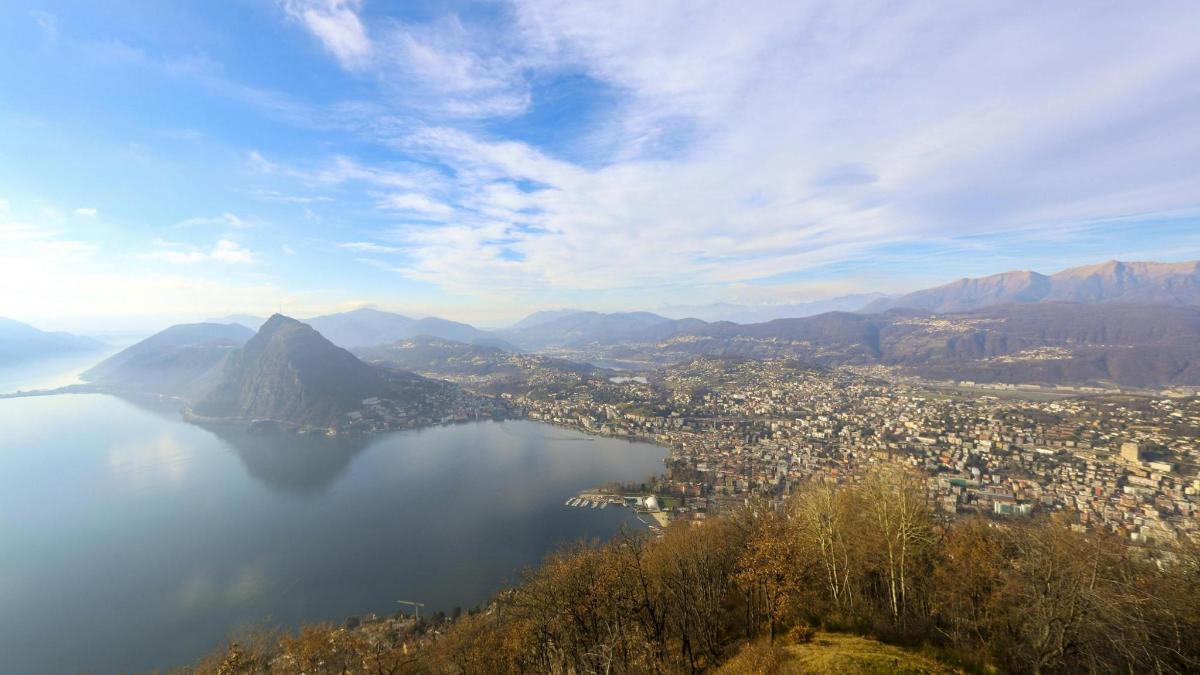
pixel 604 505
pixel 595 504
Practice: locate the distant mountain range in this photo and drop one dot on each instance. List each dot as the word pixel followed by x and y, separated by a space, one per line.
pixel 22 342
pixel 542 317
pixel 1135 345
pixel 580 328
pixel 370 327
pixel 438 357
pixel 759 313
pixel 1134 324
pixel 1140 283
pixel 1113 282
pixel 248 320
pixel 1052 343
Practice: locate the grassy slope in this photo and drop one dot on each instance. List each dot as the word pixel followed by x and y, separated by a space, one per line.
pixel 833 653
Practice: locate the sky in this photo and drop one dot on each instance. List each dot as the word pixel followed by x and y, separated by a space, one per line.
pixel 477 161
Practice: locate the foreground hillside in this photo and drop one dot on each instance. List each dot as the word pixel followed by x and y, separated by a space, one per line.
pixel 868 558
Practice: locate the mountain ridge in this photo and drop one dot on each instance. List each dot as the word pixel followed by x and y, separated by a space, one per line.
pixel 20 341
pixel 1113 281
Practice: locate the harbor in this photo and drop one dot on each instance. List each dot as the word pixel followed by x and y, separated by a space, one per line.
pixel 647 508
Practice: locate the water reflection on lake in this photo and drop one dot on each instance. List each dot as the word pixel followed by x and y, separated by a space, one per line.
pixel 130 539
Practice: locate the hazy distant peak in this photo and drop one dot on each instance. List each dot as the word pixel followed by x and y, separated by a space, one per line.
pixel 1116 268
pixel 541 317
pixel 1111 281
pixel 757 313
pixel 373 312
pixel 277 321
pixel 20 341
pixel 248 320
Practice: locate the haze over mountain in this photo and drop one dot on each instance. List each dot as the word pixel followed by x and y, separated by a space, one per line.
pixel 741 313
pixel 485 369
pixel 286 372
pixel 541 317
pixel 1130 345
pixel 172 362
pixel 248 320
pixel 367 327
pixel 289 372
pixel 579 328
pixel 22 342
pixel 1109 282
pixel 1132 336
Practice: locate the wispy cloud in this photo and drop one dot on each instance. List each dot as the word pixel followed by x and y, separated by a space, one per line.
pixel 416 203
pixel 368 247
pixel 87 212
pixel 336 24
pixel 755 141
pixel 578 152
pixel 47 22
pixel 224 220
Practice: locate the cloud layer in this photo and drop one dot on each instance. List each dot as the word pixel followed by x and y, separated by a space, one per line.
pixel 479 160
pixel 749 142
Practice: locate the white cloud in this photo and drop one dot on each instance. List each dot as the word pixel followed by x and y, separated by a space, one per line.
pixel 276 196
pixel 759 139
pixel 87 212
pixel 337 25
pixel 368 247
pixel 447 68
pixel 224 251
pixel 25 246
pixel 227 251
pixel 224 220
pixel 416 203
pixel 340 170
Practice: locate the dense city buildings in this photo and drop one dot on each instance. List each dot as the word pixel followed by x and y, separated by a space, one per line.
pixel 741 427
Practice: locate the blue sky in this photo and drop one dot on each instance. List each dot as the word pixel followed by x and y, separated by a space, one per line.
pixel 172 161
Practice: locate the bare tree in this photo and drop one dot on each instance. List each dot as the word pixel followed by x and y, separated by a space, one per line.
pixel 898 522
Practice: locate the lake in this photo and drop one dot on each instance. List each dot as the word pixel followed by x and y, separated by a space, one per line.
pixel 131 540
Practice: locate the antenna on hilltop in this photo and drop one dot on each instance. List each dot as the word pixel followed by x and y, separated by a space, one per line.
pixel 415 605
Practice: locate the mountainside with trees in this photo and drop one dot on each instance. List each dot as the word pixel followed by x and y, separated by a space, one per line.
pixel 867 558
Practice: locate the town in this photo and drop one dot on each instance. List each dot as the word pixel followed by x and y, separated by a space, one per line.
pixel 736 428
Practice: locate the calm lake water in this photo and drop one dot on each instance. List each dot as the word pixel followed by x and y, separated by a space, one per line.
pixel 130 539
